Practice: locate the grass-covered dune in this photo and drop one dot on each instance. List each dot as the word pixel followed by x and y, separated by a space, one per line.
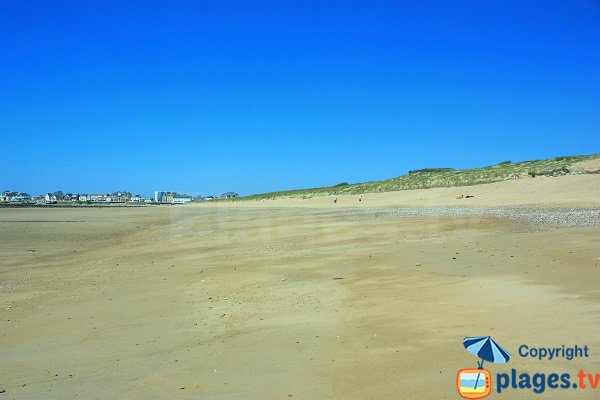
pixel 448 177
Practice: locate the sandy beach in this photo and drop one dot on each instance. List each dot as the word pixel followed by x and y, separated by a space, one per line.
pixel 299 298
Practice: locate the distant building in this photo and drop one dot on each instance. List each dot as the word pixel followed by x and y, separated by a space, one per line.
pixel 138 198
pixel 101 197
pixel 163 197
pixel 120 197
pixel 59 195
pixel 5 196
pixel 50 198
pixel 20 197
pixel 229 195
pixel 38 199
pixel 70 197
pixel 171 198
pixel 158 196
pixel 181 199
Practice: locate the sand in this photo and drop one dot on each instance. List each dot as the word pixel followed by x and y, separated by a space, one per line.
pixel 564 191
pixel 249 301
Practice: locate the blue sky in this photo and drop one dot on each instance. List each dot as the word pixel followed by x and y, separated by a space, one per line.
pixel 212 96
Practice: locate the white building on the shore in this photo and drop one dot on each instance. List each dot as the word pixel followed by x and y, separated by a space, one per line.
pixel 38 199
pixel 14 197
pixel 20 197
pixel 138 198
pixel 101 197
pixel 177 199
pixel 171 198
pixel 50 198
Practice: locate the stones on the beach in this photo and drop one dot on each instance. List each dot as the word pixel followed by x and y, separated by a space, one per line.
pixel 530 215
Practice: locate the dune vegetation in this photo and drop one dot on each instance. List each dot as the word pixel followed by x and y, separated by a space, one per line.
pixel 448 177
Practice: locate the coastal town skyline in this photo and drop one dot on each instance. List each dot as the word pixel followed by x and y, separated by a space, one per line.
pixel 60 197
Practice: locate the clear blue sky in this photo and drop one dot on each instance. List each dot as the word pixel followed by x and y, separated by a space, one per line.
pixel 212 96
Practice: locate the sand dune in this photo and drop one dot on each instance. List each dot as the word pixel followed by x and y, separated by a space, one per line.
pixel 563 191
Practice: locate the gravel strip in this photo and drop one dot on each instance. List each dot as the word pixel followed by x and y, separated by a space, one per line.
pixel 529 215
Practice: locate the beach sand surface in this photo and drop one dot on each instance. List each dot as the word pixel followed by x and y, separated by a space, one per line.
pixel 293 300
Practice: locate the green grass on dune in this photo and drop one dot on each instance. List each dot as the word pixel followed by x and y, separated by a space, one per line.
pixel 439 177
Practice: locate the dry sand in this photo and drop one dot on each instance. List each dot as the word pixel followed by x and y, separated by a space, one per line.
pixel 235 301
pixel 565 191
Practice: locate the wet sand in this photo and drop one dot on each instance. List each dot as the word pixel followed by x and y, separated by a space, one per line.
pixel 219 302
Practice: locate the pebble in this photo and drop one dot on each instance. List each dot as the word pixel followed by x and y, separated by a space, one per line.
pixel 536 217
